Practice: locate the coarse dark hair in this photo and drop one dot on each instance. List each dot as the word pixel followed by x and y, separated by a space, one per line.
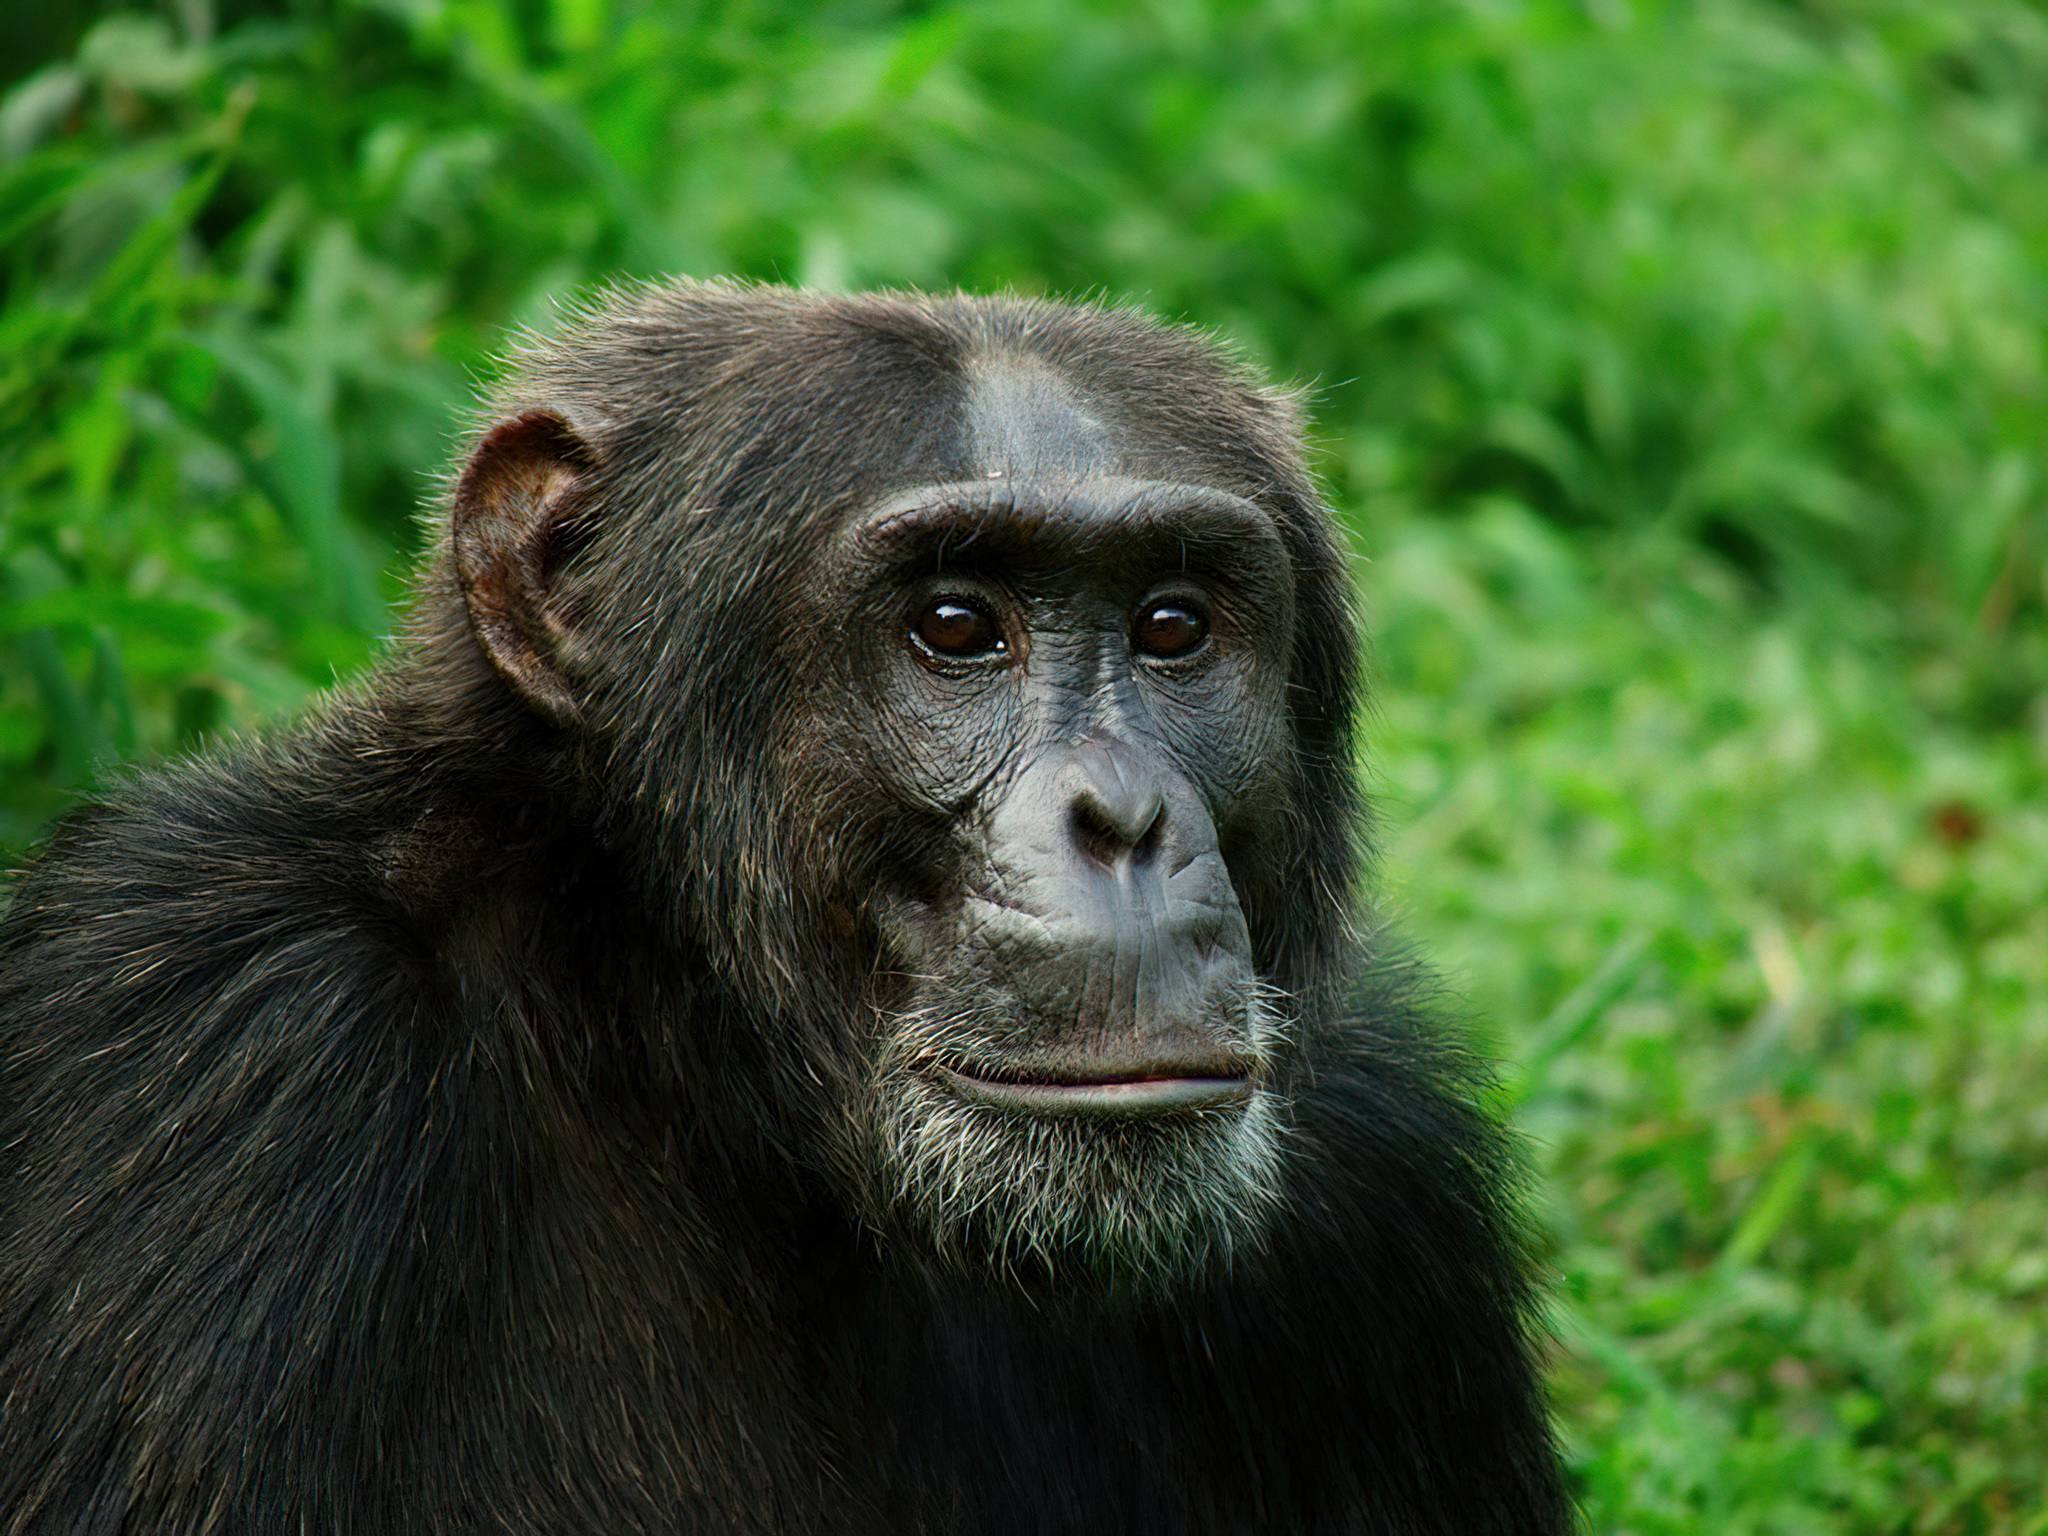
pixel 433 1116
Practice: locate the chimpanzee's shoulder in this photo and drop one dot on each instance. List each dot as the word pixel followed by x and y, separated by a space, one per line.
pixel 224 909
pixel 1397 1108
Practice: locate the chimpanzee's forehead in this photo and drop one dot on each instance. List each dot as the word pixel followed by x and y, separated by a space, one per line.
pixel 1025 416
pixel 1040 466
pixel 1020 419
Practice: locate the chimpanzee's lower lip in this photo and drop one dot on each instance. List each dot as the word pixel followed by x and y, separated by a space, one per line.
pixel 1121 1097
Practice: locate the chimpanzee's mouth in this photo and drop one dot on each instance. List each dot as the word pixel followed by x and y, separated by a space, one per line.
pixel 1110 1090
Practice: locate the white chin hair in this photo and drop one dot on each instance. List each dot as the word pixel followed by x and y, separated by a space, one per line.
pixel 1148 1203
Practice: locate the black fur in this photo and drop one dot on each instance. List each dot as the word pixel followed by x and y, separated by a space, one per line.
pixel 409 1123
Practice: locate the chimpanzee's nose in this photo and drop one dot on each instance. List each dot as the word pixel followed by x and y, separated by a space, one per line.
pixel 1117 810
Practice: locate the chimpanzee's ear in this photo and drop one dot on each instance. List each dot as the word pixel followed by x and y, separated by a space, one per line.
pixel 515 513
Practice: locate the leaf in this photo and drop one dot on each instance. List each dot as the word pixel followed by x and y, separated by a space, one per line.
pixel 301 474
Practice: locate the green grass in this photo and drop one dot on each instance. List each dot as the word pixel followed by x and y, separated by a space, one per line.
pixel 1681 369
pixel 1756 912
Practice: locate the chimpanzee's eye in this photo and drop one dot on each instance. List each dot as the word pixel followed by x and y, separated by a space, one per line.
pixel 956 629
pixel 1169 630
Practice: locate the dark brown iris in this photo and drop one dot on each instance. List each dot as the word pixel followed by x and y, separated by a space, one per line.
pixel 1170 630
pixel 952 628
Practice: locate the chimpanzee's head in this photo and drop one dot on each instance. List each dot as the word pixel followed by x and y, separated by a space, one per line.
pixel 969 683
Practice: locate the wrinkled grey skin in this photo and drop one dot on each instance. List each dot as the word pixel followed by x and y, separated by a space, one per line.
pixel 1086 925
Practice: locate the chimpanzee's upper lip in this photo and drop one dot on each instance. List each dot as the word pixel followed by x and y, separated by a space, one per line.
pixel 1107 1088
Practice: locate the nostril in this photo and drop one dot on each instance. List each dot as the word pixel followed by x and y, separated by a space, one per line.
pixel 1146 849
pixel 1109 840
pixel 1094 835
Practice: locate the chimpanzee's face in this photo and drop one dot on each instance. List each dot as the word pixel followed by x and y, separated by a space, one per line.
pixel 1062 709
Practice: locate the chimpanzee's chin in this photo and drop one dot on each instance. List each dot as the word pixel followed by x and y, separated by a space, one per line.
pixel 1074 1196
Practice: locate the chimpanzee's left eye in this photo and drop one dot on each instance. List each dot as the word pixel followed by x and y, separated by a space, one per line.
pixel 953 628
pixel 1169 630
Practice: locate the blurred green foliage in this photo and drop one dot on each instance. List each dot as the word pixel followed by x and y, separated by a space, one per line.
pixel 1682 369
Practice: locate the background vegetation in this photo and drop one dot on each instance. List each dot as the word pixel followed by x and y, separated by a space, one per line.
pixel 1681 369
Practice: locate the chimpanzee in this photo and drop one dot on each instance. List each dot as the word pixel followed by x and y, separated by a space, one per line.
pixel 819 988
